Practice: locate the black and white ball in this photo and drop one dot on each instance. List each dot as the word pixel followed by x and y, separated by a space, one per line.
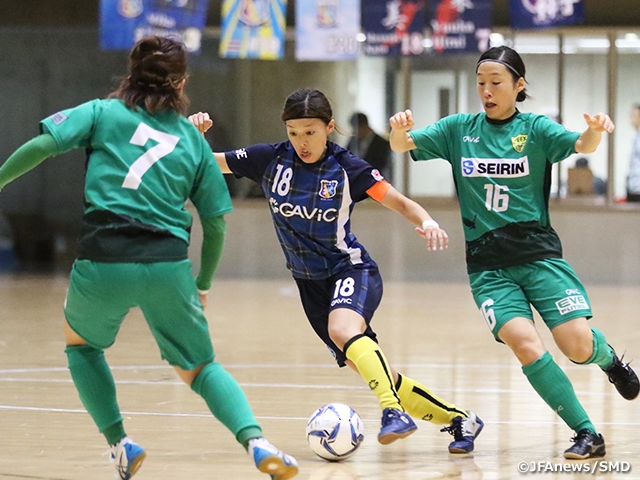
pixel 335 431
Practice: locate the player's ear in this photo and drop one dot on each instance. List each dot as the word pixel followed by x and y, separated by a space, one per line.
pixel 331 126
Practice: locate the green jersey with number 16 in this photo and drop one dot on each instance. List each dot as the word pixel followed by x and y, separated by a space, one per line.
pixel 140 171
pixel 502 173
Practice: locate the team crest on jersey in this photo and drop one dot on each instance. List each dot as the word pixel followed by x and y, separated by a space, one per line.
pixel 519 142
pixel 328 188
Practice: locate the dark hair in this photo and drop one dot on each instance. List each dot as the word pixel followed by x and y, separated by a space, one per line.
pixel 512 60
pixel 307 103
pixel 157 67
pixel 359 119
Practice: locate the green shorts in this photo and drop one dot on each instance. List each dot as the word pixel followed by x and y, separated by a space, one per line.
pixel 550 286
pixel 101 294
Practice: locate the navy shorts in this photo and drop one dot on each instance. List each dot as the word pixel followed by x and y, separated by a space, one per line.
pixel 357 288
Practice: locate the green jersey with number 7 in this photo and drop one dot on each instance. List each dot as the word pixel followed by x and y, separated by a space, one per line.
pixel 131 158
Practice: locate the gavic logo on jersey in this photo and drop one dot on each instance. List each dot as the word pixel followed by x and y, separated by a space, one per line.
pixel 468 139
pixel 495 167
pixel 519 142
pixel 328 188
pixel 289 210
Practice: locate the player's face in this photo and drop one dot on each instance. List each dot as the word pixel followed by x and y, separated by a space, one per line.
pixel 497 90
pixel 309 137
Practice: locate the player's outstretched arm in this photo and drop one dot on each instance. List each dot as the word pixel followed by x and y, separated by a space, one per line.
pixel 27 157
pixel 589 140
pixel 203 122
pixel 426 227
pixel 399 138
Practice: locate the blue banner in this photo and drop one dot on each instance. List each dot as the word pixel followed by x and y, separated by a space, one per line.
pixel 124 22
pixel 460 26
pixel 253 29
pixel 393 27
pixel 327 30
pixel 545 13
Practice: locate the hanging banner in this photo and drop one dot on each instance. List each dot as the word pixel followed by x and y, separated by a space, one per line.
pixel 327 30
pixel 253 29
pixel 545 13
pixel 460 26
pixel 393 27
pixel 124 22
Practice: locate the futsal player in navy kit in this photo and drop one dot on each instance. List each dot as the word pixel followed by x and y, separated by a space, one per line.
pixel 312 185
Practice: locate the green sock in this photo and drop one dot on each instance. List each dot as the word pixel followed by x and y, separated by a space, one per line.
pixel 247 434
pixel 602 352
pixel 555 388
pixel 227 402
pixel 94 382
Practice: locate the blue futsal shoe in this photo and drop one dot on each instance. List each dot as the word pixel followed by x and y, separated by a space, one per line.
pixel 464 431
pixel 395 425
pixel 270 460
pixel 128 458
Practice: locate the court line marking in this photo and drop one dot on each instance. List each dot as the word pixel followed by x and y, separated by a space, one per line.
pixel 436 366
pixel 486 391
pixel 270 417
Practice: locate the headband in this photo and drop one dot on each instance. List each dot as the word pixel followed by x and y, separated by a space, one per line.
pixel 501 62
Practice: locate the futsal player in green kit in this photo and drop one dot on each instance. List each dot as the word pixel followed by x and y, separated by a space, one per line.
pixel 145 160
pixel 501 161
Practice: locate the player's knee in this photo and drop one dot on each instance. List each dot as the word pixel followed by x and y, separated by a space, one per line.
pixel 578 352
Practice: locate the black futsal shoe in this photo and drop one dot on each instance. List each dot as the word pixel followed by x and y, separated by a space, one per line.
pixel 586 444
pixel 623 378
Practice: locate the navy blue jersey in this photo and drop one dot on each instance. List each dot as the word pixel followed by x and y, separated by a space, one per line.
pixel 311 204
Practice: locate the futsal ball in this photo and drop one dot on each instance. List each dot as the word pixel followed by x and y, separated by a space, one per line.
pixel 335 431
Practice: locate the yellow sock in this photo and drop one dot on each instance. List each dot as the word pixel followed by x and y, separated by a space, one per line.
pixel 419 402
pixel 374 369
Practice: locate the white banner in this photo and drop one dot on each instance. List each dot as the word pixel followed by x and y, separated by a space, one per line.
pixel 326 30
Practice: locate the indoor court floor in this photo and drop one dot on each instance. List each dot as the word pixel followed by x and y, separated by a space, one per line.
pixel 429 331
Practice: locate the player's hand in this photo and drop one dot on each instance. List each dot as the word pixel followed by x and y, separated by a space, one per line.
pixel 402 120
pixel 600 122
pixel 437 238
pixel 204 299
pixel 202 121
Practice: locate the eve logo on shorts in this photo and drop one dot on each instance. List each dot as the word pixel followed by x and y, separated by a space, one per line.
pixel 571 304
pixel 495 167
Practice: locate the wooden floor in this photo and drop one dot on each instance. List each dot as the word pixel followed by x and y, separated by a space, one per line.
pixel 431 332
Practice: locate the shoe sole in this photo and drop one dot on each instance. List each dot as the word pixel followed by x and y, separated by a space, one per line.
pixel 388 438
pixel 630 397
pixel 278 470
pixel 461 450
pixel 136 464
pixel 575 456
